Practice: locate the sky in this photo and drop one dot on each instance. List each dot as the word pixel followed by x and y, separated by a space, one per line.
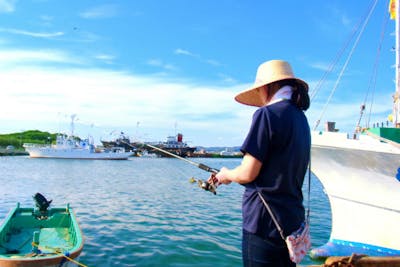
pixel 157 68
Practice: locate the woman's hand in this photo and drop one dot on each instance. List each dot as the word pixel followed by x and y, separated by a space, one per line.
pixel 222 176
pixel 213 180
pixel 219 178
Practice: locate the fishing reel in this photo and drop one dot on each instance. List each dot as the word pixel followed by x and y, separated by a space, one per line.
pixel 212 187
pixel 207 186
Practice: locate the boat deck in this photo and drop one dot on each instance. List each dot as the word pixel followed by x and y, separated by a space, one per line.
pixel 51 241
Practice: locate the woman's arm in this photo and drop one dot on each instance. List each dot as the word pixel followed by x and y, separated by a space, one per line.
pixel 245 173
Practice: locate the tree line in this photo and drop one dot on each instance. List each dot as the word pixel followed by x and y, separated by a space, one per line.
pixel 31 136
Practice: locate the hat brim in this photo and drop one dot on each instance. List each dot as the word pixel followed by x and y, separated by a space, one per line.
pixel 252 97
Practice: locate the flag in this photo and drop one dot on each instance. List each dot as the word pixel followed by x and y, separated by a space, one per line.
pixel 392 9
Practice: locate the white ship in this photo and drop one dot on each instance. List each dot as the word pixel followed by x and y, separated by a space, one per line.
pixel 362 180
pixel 67 147
pixel 361 176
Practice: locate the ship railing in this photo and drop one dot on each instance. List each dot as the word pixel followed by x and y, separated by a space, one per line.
pixel 28 145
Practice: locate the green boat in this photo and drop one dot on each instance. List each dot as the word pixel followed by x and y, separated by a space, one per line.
pixel 41 236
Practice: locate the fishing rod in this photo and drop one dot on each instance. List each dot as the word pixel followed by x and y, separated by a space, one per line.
pixel 208 186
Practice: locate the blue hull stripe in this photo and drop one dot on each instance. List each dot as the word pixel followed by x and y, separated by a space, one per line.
pixel 336 247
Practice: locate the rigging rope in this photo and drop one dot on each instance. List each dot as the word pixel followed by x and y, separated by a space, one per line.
pixel 345 65
pixel 385 22
pixel 331 67
pixel 372 82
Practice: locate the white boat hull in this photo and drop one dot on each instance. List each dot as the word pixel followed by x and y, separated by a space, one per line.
pixel 362 180
pixel 48 152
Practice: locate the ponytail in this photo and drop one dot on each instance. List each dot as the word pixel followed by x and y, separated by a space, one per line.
pixel 300 97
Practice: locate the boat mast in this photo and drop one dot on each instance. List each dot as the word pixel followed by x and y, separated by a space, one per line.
pixel 72 124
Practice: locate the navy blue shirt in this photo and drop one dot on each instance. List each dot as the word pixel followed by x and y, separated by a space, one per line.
pixel 279 137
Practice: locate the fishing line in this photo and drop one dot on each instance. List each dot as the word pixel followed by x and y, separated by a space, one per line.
pixel 208 186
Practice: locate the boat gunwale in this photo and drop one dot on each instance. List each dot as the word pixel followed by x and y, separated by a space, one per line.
pixel 385 147
pixel 333 147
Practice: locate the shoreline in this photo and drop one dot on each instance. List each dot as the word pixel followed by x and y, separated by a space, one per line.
pixel 13 152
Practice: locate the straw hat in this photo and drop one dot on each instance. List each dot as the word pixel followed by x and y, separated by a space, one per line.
pixel 268 72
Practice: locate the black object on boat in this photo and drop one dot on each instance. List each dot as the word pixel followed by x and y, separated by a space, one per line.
pixel 41 202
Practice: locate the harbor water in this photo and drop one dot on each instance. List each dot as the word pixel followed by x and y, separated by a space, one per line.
pixel 144 211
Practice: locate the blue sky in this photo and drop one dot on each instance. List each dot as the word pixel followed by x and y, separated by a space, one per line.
pixel 155 68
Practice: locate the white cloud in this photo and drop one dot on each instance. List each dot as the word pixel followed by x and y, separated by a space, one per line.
pixel 112 100
pixel 154 62
pixel 23 57
pixel 213 62
pixel 184 52
pixel 226 78
pixel 180 51
pixel 159 63
pixel 46 17
pixel 103 11
pixel 34 97
pixel 32 34
pixel 105 58
pixel 347 112
pixel 117 100
pixel 7 6
pixel 346 21
pixel 320 66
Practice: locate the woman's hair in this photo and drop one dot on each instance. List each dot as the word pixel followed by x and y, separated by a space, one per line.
pixel 300 95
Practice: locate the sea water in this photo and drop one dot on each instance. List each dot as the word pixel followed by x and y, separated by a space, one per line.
pixel 145 211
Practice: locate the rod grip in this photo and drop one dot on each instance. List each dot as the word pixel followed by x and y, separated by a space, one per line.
pixel 206 168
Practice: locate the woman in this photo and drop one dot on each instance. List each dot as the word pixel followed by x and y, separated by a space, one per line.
pixel 276 155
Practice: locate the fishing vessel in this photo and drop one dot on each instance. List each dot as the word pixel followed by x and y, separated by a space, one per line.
pixel 361 176
pixel 173 144
pixel 122 141
pixel 40 237
pixel 69 147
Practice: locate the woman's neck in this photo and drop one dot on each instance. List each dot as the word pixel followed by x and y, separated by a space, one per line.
pixel 285 93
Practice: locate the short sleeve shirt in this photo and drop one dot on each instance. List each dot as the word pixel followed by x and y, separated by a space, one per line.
pixel 279 137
